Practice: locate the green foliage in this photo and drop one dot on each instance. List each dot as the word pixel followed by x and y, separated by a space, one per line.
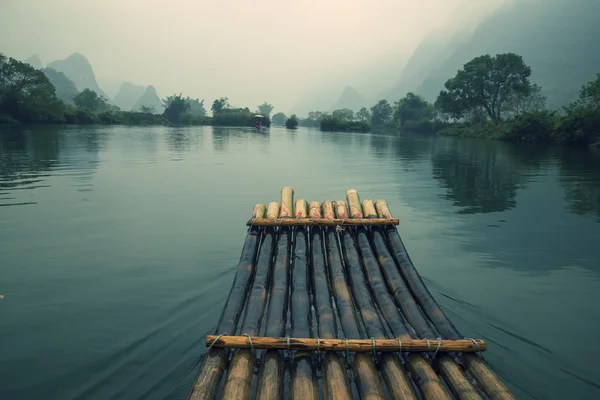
pixel 279 118
pixel 381 113
pixel 265 109
pixel 176 107
pixel 147 110
pixel 292 122
pixel 485 82
pixel 333 123
pixel 412 108
pixel 518 103
pixel 90 100
pixel 65 88
pixel 313 120
pixel 26 94
pixel 363 115
pixel 219 105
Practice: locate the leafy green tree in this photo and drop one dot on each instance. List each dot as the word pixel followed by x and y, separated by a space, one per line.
pixel 219 105
pixel 196 107
pixel 381 112
pixel 279 118
pixel 518 103
pixel 589 95
pixel 90 100
pixel 292 122
pixel 26 94
pixel 147 109
pixel 176 108
pixel 265 109
pixel 363 115
pixel 412 107
pixel 485 82
pixel 345 114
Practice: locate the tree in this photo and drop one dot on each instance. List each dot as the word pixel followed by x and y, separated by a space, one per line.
pixel 412 107
pixel 589 95
pixel 177 107
pixel 363 115
pixel 381 112
pixel 90 100
pixel 485 82
pixel 219 105
pixel 345 114
pixel 147 109
pixel 196 107
pixel 265 109
pixel 279 118
pixel 292 122
pixel 26 94
pixel 520 103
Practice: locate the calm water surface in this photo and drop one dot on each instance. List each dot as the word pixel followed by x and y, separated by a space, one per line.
pixel 118 246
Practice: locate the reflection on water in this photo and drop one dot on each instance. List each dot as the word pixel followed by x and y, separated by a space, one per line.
pixel 118 246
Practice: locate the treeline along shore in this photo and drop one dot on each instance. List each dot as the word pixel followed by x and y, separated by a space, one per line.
pixel 490 97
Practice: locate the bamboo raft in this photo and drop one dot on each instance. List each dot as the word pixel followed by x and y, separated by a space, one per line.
pixel 326 303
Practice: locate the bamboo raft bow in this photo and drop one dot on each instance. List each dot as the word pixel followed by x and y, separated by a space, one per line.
pixel 327 304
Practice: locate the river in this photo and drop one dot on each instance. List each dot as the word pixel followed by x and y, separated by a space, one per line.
pixel 118 246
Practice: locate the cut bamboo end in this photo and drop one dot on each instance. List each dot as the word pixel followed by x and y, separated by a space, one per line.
pixel 328 211
pixel 382 209
pixel 354 204
pixel 341 211
pixel 259 211
pixel 287 202
pixel 273 210
pixel 351 345
pixel 322 222
pixel 300 208
pixel 314 210
pixel 369 210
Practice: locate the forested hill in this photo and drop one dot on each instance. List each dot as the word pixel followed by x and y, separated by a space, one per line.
pixel 78 69
pixel 558 39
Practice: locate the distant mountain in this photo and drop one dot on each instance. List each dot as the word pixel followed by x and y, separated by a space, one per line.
pixel 128 95
pixel 78 69
pixel 427 57
pixel 35 62
pixel 110 86
pixel 557 39
pixel 350 99
pixel 149 99
pixel 65 88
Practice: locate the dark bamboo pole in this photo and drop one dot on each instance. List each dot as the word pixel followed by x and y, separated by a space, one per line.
pixel 335 379
pixel 303 383
pixel 457 381
pixel 271 373
pixel 365 373
pixel 486 379
pixel 369 306
pixel 211 371
pixel 238 384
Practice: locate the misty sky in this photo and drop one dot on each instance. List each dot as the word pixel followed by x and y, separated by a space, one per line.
pixel 249 51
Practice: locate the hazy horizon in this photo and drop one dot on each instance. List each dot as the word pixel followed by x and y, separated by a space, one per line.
pixel 249 52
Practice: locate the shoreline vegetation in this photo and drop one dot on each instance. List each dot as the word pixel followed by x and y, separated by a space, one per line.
pixel 491 97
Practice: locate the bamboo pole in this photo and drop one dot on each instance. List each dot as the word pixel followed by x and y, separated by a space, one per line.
pixel 369 210
pixel 272 210
pixel 323 222
pixel 301 208
pixel 211 371
pixel 303 383
pixel 398 383
pixel 354 204
pixel 270 377
pixel 457 381
pixel 487 380
pixel 341 211
pixel 307 343
pixel 314 210
pixel 287 202
pixel 368 383
pixel 239 377
pixel 328 212
pixel 335 379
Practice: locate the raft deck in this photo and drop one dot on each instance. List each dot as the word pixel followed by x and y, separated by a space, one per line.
pixel 326 303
